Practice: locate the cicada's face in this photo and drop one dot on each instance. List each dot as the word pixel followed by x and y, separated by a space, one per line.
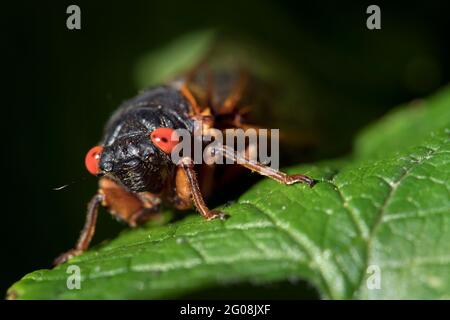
pixel 136 150
pixel 133 161
pixel 136 163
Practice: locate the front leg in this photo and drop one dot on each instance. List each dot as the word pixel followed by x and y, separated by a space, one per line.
pixel 131 208
pixel 86 234
pixel 189 182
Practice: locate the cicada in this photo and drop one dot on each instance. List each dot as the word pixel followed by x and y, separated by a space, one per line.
pixel 133 159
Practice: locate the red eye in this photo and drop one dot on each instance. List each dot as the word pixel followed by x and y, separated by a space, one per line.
pixel 92 160
pixel 162 138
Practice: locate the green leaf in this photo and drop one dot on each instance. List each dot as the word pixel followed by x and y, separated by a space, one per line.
pixel 380 213
pixel 406 126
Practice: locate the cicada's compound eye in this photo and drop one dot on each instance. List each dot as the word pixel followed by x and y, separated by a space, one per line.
pixel 92 160
pixel 165 139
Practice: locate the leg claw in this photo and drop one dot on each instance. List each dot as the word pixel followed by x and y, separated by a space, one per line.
pixel 66 256
pixel 215 214
pixel 301 178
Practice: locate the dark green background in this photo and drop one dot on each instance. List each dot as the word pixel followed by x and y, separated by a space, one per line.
pixel 61 85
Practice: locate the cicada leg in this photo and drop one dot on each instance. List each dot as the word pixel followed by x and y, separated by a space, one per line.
pixel 264 170
pixel 131 208
pixel 188 190
pixel 86 234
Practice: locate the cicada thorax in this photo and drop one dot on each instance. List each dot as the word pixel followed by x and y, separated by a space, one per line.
pixel 223 91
